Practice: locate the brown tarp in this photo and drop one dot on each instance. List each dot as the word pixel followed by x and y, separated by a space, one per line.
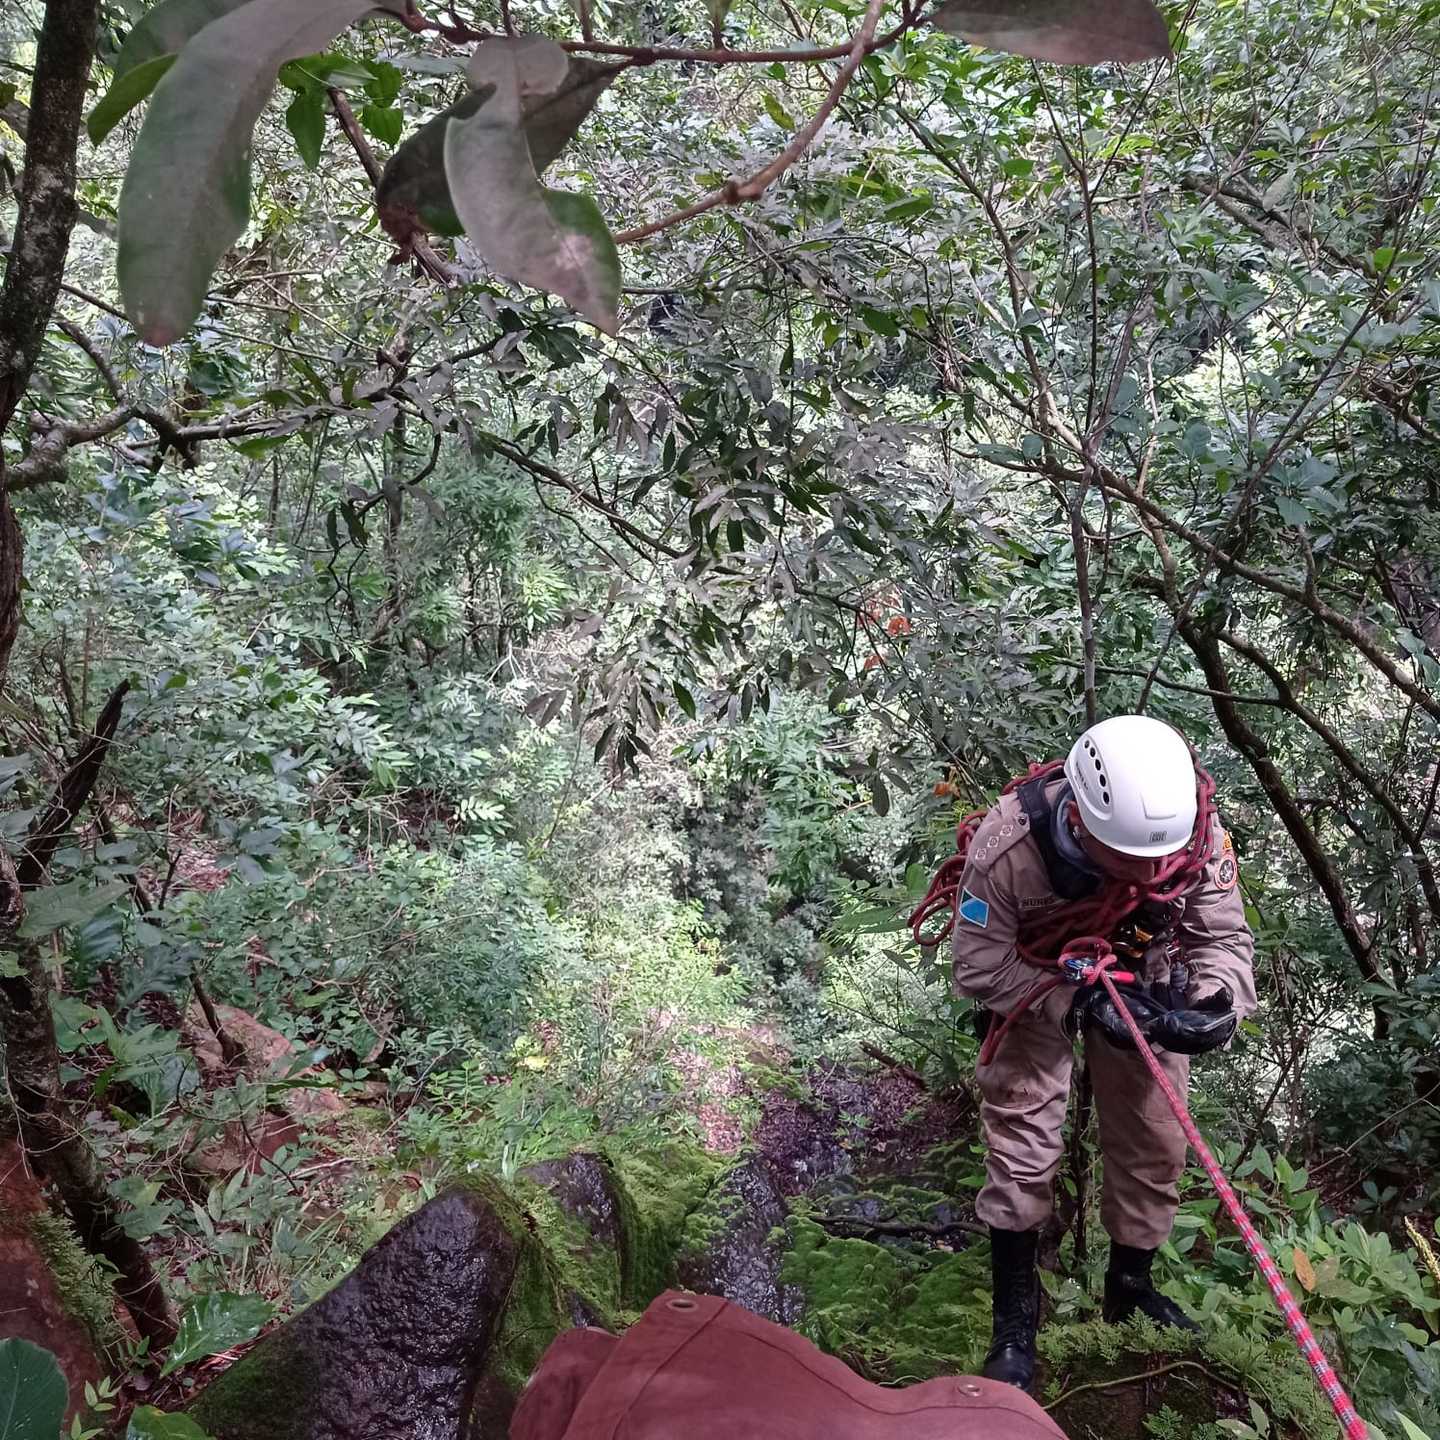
pixel 696 1367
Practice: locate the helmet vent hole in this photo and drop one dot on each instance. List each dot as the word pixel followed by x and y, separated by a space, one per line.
pixel 1097 762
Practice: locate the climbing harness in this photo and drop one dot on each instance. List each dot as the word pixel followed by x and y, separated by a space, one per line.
pixel 1073 945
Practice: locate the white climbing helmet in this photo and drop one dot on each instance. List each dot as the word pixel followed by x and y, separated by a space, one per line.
pixel 1134 781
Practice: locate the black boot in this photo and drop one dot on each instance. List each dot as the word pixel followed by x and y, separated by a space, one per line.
pixel 1128 1289
pixel 1016 1289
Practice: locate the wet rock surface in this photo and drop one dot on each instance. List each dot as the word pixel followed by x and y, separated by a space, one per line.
pixel 734 1244
pixel 846 1121
pixel 395 1352
pixel 867 1152
pixel 585 1188
pixel 434 1334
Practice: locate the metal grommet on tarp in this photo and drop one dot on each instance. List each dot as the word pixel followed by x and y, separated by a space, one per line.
pixel 680 1303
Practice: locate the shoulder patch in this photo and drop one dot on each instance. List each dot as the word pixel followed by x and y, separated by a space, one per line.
pixel 1227 866
pixel 1001 830
pixel 973 910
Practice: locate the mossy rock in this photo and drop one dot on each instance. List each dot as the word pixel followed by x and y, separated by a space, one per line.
pixel 56 1294
pixel 733 1243
pixel 659 1189
pixel 448 1314
pixel 891 1315
pixel 453 1293
pixel 81 1279
pixel 579 1210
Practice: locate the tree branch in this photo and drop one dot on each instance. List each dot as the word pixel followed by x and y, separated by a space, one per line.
pixel 57 1146
pixel 1257 755
pixel 1414 841
pixel 415 244
pixel 735 192
pixel 70 794
pixel 616 521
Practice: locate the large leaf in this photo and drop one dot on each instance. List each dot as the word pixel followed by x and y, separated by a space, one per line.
pixel 148 52
pixel 215 1322
pixel 148 1423
pixel 186 196
pixel 1071 32
pixel 551 239
pixel 167 29
pixel 33 1392
pixel 74 903
pixel 124 95
pixel 414 181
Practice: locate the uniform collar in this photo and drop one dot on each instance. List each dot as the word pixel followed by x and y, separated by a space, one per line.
pixel 1067 843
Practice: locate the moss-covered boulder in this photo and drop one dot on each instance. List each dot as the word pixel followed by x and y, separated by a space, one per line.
pixel 434 1334
pixel 733 1243
pixel 894 1312
pixel 399 1348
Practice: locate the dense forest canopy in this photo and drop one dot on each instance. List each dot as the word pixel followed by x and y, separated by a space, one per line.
pixel 533 719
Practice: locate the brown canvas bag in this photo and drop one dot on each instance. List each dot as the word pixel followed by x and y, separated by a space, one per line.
pixel 697 1367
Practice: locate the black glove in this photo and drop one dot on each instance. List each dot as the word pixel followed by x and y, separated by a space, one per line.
pixel 1165 1021
pixel 1192 1030
pixel 1093 1008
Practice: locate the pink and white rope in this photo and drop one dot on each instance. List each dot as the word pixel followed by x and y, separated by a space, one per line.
pixel 1351 1423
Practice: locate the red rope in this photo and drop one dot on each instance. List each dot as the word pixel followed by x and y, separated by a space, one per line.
pixel 1075 943
pixel 1329 1382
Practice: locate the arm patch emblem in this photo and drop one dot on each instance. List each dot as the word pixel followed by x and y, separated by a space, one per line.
pixel 974 910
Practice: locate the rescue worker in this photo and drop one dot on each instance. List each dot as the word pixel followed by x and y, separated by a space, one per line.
pixel 1125 800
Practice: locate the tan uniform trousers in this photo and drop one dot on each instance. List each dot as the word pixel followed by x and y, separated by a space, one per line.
pixel 1025 1091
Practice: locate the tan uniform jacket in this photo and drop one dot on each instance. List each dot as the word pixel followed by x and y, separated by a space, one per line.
pixel 1006 887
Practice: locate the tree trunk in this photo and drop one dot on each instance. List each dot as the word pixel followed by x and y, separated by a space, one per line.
pixel 42 241
pixel 55 1143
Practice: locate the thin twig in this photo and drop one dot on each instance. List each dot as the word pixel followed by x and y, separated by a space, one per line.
pixel 735 192
pixel 641 55
pixel 1135 1380
pixel 419 247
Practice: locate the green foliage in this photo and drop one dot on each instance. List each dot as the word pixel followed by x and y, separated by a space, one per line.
pixel 1272 1377
pixel 532 727
pixel 148 1423
pixel 33 1393
pixel 1366 1297
pixel 895 1317
pixel 186 196
pixel 215 1322
pixel 127 91
pixel 1070 32
pixel 551 239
